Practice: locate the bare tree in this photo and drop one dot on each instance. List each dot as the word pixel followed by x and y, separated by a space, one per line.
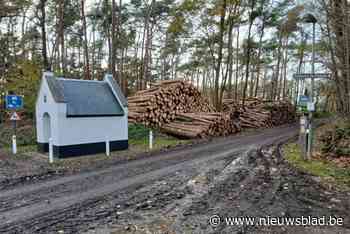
pixel 114 40
pixel 42 20
pixel 220 54
pixel 249 47
pixel 60 34
pixel 87 73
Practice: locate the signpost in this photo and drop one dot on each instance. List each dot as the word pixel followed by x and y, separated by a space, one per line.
pixel 303 102
pixel 13 103
pixel 303 76
pixel 15 117
pixel 303 136
pixel 307 104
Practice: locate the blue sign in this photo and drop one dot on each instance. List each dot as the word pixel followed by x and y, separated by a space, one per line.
pixel 14 102
pixel 303 100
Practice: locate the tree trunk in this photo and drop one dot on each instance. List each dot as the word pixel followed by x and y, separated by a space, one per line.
pixel 347 53
pixel 237 63
pixel 148 43
pixel 259 56
pixel 229 67
pixel 220 55
pixel 264 82
pixel 274 91
pixel 230 50
pixel 61 36
pixel 285 69
pixel 114 41
pixel 334 68
pixel 87 74
pixel 120 67
pixel 251 86
pixel 248 52
pixel 43 35
pixel 23 29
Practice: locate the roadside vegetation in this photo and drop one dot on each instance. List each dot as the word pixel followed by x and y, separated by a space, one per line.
pixel 331 160
pixel 25 133
pixel 328 171
pixel 138 138
pixel 335 141
pixel 28 164
pixel 323 114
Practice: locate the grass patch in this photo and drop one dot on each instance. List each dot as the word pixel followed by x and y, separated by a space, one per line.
pixel 158 143
pixel 21 149
pixel 138 141
pixel 139 137
pixel 321 115
pixel 324 169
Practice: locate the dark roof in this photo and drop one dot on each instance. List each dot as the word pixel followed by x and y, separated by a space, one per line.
pixel 55 88
pixel 116 88
pixel 85 98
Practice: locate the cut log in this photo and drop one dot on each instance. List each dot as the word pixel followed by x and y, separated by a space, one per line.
pixel 163 101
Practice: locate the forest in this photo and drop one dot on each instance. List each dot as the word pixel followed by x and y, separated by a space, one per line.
pixel 174 116
pixel 234 49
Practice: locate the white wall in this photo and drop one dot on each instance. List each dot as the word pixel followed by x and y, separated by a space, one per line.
pixel 73 131
pixel 49 107
pixel 91 130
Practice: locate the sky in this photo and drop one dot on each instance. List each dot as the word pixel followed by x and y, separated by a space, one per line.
pixel 243 32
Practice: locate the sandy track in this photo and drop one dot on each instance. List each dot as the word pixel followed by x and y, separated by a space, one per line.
pixel 40 206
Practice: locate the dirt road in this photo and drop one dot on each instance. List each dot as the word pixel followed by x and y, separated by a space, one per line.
pixel 112 196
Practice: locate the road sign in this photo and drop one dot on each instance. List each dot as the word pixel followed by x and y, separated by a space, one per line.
pixel 311 107
pixel 303 100
pixel 303 76
pixel 15 117
pixel 14 102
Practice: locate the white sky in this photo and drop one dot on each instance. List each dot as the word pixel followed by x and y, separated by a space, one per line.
pixel 292 67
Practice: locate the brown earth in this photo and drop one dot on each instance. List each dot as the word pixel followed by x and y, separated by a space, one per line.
pixel 176 192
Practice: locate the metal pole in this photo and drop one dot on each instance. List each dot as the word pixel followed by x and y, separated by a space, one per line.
pixel 313 62
pixel 108 149
pixel 51 157
pixel 150 139
pixel 310 139
pixel 302 136
pixel 14 138
pixel 14 144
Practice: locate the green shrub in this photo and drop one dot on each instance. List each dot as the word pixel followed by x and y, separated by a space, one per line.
pixel 138 132
pixel 336 140
pixel 26 135
pixel 320 115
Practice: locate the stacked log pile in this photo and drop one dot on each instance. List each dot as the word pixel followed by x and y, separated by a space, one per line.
pixel 164 101
pixel 202 125
pixel 255 118
pixel 262 114
pixel 282 112
pixel 178 108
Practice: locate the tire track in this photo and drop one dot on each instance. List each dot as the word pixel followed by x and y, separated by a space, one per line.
pixel 66 195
